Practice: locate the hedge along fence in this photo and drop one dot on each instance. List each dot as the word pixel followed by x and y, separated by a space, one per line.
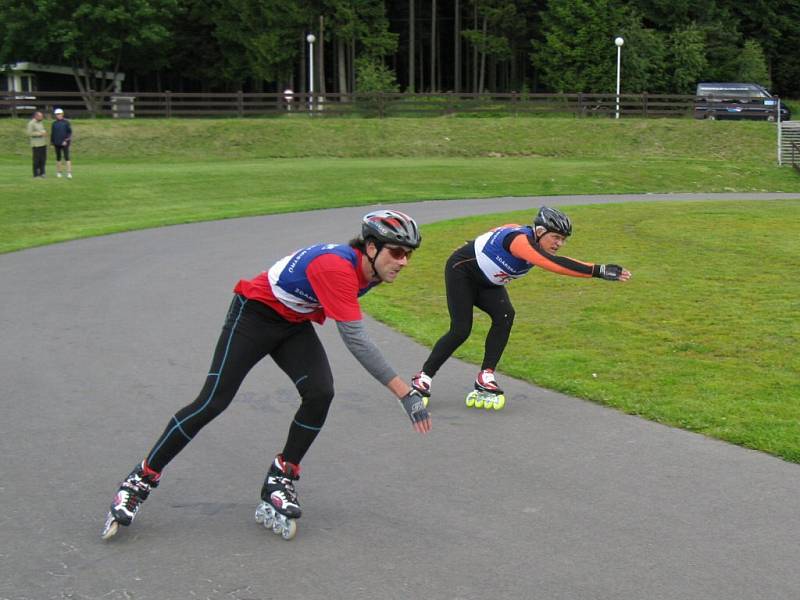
pixel 241 105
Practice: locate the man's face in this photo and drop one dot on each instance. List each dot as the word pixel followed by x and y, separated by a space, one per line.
pixel 390 260
pixel 38 116
pixel 59 116
pixel 552 242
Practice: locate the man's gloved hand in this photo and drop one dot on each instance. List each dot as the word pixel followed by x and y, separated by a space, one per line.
pixel 414 405
pixel 611 272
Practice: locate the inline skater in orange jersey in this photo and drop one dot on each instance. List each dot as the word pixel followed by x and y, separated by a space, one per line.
pixel 476 275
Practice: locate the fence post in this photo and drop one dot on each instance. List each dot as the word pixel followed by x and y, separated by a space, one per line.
pixel 381 105
pixel 14 104
pixel 92 103
pixel 514 100
pixel 168 100
pixel 240 103
pixel 581 107
pixel 644 104
pixel 778 125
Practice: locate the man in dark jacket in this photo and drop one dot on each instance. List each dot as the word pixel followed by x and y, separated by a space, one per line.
pixel 61 137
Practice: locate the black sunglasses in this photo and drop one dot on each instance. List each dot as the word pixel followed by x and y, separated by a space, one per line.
pixel 398 252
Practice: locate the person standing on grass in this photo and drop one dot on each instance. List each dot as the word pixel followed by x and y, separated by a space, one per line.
pixel 476 275
pixel 61 138
pixel 273 314
pixel 37 135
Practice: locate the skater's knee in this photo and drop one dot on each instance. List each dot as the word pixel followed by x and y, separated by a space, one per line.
pixel 315 403
pixel 315 390
pixel 313 411
pixel 459 332
pixel 318 398
pixel 505 319
pixel 206 407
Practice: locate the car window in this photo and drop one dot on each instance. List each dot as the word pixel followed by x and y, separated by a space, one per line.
pixel 720 92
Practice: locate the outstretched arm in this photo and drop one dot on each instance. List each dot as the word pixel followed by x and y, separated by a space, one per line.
pixel 336 286
pixel 522 248
pixel 369 355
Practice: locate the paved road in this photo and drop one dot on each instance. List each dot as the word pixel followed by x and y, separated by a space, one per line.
pixel 553 498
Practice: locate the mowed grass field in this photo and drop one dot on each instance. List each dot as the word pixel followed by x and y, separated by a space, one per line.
pixel 147 173
pixel 705 336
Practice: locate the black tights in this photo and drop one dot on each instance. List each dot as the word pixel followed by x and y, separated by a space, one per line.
pixel 467 287
pixel 251 331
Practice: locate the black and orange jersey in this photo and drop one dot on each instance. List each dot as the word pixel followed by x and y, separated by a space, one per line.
pixel 526 248
pixel 510 251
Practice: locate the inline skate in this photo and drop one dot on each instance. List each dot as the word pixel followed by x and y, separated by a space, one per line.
pixel 487 394
pixel 133 490
pixel 422 383
pixel 279 507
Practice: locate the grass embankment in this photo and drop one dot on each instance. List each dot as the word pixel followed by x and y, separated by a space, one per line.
pixel 705 337
pixel 181 140
pixel 145 173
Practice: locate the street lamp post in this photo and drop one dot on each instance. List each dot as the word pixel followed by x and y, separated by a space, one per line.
pixel 310 39
pixel 618 41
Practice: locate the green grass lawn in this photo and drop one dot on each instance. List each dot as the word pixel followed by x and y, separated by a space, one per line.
pixel 146 173
pixel 704 337
pixel 108 197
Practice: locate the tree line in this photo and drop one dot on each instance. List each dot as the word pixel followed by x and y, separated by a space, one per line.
pixel 410 45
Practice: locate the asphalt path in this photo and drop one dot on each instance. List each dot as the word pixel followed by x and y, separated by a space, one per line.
pixel 104 339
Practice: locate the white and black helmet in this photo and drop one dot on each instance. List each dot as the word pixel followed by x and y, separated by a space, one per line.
pixel 553 220
pixel 390 227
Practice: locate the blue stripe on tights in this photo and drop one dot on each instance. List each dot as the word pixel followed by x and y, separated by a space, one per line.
pixel 299 424
pixel 178 423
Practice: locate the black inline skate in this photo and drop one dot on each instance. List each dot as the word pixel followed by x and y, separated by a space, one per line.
pixel 279 507
pixel 133 490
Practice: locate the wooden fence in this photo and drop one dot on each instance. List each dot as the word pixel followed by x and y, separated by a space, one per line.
pixel 241 105
pixel 795 156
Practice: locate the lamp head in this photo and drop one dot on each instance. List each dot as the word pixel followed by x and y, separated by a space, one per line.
pixel 619 41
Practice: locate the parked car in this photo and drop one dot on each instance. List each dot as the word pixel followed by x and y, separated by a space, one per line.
pixel 737 101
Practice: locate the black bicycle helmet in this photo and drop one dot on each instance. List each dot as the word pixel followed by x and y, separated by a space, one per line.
pixel 553 220
pixel 390 227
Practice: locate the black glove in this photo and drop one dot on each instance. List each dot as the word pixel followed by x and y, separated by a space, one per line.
pixel 414 405
pixel 610 272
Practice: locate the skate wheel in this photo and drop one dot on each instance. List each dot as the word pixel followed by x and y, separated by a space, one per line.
pixel 499 402
pixel 470 401
pixel 110 529
pixel 479 400
pixel 290 530
pixel 277 526
pixel 268 521
pixel 265 515
pixel 261 513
